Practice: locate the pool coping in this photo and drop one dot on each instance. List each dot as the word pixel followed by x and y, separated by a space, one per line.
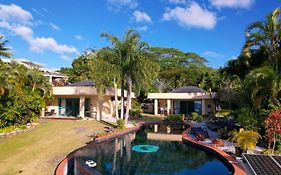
pixel 229 161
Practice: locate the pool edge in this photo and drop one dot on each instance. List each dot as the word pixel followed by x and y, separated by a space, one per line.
pixel 225 158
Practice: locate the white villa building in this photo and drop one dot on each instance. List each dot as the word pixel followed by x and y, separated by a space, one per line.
pixel 81 99
pixel 183 100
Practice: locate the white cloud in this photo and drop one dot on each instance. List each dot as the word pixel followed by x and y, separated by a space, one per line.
pixel 177 1
pixel 232 3
pixel 191 16
pixel 117 5
pixel 142 28
pixel 139 16
pixel 66 58
pixel 40 44
pixel 213 54
pixel 15 13
pixel 19 22
pixel 78 37
pixel 55 27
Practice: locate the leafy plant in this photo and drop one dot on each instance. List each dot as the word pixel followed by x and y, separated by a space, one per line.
pixel 224 133
pixel 247 119
pixel 121 123
pixel 194 116
pixel 23 93
pixel 273 128
pixel 174 117
pixel 245 139
pixel 199 118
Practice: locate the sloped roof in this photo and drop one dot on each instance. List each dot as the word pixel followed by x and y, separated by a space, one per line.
pixel 188 89
pixel 82 83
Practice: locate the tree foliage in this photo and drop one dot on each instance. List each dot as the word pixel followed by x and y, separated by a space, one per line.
pixel 178 68
pixel 134 66
pixel 256 72
pixel 23 93
pixel 246 139
pixel 273 128
pixel 266 35
pixel 4 51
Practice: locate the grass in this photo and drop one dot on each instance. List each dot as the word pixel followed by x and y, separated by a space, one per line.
pixel 223 113
pixel 41 149
pixel 148 117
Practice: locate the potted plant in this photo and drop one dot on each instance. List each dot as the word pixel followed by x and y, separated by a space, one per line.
pixel 245 140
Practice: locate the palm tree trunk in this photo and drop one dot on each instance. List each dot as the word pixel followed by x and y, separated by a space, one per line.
pixel 116 100
pixel 122 98
pixel 128 106
pixel 99 105
pixel 274 142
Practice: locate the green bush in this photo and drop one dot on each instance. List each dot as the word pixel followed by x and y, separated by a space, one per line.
pixel 194 116
pixel 223 113
pixel 247 119
pixel 7 129
pixel 24 94
pixel 199 118
pixel 136 109
pixel 174 117
pixel 134 113
pixel 121 123
pixel 136 106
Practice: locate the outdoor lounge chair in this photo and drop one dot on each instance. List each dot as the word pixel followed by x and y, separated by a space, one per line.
pixel 50 113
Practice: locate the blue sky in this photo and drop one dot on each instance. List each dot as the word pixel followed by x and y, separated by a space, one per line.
pixel 54 32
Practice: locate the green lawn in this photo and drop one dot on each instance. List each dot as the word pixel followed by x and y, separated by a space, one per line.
pixel 41 149
pixel 147 117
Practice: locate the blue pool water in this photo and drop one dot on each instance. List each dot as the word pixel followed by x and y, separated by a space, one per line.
pixel 150 151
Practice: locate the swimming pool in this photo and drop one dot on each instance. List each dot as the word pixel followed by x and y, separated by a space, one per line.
pixel 152 150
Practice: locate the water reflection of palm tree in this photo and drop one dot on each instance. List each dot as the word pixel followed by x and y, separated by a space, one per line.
pixel 114 156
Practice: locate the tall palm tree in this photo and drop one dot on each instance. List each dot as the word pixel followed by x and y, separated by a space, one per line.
pixel 264 83
pixel 266 35
pixel 133 62
pixel 3 49
pixel 37 81
pixel 103 73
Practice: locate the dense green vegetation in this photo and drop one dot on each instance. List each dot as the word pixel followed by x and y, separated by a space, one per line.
pixel 22 92
pixel 254 78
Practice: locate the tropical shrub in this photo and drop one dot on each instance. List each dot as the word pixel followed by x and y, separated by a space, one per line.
pixel 224 133
pixel 136 109
pixel 23 94
pixel 246 140
pixel 174 117
pixel 246 118
pixel 121 124
pixel 273 128
pixel 199 118
pixel 194 116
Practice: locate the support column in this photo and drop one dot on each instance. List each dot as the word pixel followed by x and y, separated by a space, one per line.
pixel 43 112
pixel 168 107
pixel 155 106
pixel 111 108
pixel 203 102
pixel 82 107
pixel 50 79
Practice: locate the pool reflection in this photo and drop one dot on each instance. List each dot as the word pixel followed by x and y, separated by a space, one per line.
pixel 173 156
